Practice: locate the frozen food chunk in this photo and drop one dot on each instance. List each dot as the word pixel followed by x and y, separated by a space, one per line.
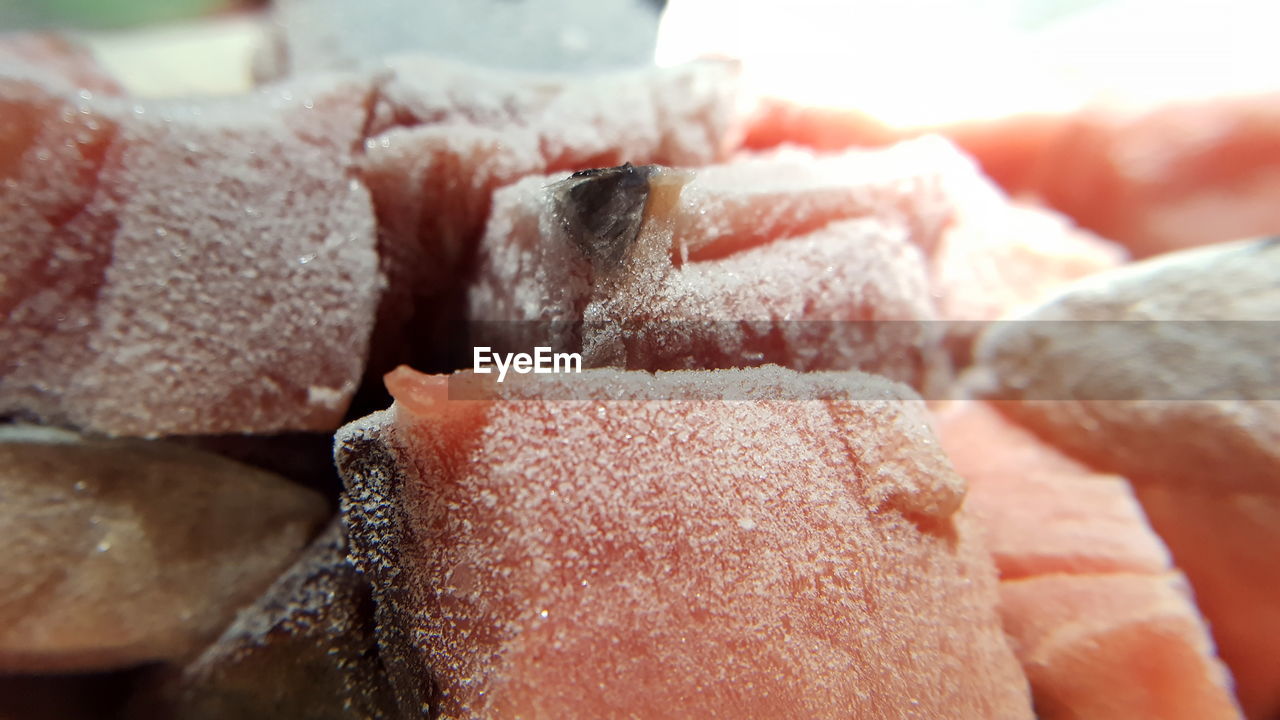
pixel 651 547
pixel 1156 177
pixel 443 137
pixel 1167 372
pixel 823 262
pixel 184 267
pixel 1114 646
pixel 1087 587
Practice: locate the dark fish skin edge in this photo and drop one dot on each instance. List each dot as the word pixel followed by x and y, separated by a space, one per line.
pixel 376 527
pixel 601 210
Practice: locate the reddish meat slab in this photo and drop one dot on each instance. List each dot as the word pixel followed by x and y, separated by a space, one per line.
pixel 797 555
pixel 183 267
pixel 1155 177
pixel 1103 625
pixel 1166 371
pixel 443 136
pixel 813 262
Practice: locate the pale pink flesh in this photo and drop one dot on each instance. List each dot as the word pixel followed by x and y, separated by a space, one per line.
pixel 986 255
pixel 1226 543
pixel 695 557
pixel 443 137
pixel 1042 511
pixel 879 243
pixel 1114 647
pixel 187 266
pixel 784 301
pixel 1104 627
pixel 1157 178
pixel 1181 409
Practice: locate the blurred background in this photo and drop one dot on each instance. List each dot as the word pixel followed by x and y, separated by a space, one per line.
pixel 904 61
pixel 96 14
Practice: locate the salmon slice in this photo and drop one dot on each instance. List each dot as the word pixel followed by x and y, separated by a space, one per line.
pixel 1168 177
pixel 1155 177
pixel 1165 371
pixel 1102 624
pixel 813 262
pixel 542 283
pixel 850 293
pixel 1043 512
pixel 1226 543
pixel 1114 646
pixel 651 549
pixel 985 256
pixel 443 136
pixel 162 261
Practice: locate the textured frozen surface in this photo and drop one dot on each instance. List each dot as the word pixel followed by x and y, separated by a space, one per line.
pixel 444 136
pixel 1042 511
pixel 988 256
pixel 813 262
pixel 1001 258
pixel 1206 470
pixel 793 556
pixel 184 267
pixel 1201 366
pixel 305 649
pixel 1103 626
pixel 810 263
pixel 679 115
pixel 122 552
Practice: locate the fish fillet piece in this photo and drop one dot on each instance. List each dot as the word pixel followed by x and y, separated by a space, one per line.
pixel 123 552
pixel 1001 260
pixel 443 137
pixel 305 648
pixel 1166 372
pixel 1156 177
pixel 1103 625
pixel 184 267
pixel 813 262
pixel 1114 646
pixel 1226 543
pixel 652 549
pixel 987 256
pixel 1171 176
pixel 1043 512
pixel 851 293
